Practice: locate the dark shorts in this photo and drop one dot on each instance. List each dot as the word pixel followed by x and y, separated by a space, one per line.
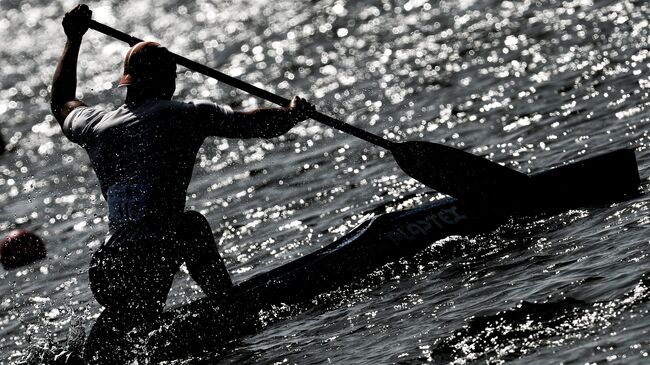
pixel 135 268
pixel 133 271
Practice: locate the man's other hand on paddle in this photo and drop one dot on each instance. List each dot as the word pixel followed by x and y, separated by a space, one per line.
pixel 299 109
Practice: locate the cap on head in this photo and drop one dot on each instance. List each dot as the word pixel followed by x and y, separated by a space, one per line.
pixel 147 62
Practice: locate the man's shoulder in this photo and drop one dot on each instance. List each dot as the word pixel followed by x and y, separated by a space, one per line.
pixel 81 116
pixel 85 111
pixel 175 104
pixel 211 107
pixel 80 121
pixel 199 109
pixel 201 103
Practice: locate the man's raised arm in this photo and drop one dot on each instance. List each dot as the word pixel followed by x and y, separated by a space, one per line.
pixel 64 84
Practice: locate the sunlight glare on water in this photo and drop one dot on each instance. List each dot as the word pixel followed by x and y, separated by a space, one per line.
pixel 529 84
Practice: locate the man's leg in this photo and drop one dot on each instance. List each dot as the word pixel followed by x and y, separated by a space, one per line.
pixel 130 275
pixel 132 272
pixel 199 251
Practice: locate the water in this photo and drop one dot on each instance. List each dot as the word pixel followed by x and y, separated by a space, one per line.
pixel 525 83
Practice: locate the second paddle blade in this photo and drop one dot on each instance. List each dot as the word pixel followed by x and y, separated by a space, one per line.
pixel 481 184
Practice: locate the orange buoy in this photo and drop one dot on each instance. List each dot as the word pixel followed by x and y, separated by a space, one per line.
pixel 19 248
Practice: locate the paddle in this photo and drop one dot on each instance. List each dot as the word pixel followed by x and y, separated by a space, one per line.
pixel 474 180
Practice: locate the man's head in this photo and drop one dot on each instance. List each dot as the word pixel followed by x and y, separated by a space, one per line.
pixel 149 69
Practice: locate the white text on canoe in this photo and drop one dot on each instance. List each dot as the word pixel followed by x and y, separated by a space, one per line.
pixel 420 228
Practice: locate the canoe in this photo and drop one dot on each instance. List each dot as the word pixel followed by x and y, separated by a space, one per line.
pixel 207 325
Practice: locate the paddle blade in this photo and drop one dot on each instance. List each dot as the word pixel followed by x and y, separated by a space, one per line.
pixel 480 183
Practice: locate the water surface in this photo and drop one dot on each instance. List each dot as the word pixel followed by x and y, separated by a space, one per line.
pixel 529 84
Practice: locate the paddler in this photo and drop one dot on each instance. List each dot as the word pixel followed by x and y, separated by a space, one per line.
pixel 143 154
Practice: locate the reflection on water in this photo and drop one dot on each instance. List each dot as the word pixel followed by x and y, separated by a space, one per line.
pixel 526 83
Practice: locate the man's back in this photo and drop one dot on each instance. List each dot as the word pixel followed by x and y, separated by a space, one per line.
pixel 144 153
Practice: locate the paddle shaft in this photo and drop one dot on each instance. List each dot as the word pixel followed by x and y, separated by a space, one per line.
pixel 251 89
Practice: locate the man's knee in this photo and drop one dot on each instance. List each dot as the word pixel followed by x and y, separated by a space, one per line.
pixel 194 230
pixel 194 221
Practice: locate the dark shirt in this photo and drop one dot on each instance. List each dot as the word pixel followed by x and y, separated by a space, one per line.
pixel 144 153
